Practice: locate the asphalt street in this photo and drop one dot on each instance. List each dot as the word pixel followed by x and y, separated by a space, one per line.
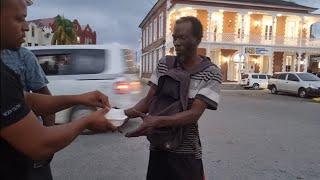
pixel 253 136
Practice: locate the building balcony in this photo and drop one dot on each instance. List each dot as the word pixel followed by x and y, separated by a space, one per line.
pixel 256 40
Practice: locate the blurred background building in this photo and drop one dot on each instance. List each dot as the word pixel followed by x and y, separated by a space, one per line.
pixel 264 36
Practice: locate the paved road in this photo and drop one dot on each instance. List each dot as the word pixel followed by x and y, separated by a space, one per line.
pixel 254 135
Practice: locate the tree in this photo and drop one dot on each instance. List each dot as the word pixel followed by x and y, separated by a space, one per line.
pixel 64 33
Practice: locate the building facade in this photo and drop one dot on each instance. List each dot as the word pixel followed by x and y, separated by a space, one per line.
pixel 153 38
pixel 41 32
pixel 244 36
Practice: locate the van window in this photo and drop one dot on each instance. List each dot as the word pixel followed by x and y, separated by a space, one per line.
pixel 71 61
pixel 262 77
pixel 292 77
pixel 244 76
pixel 275 76
pixel 269 76
pixel 282 76
pixel 254 76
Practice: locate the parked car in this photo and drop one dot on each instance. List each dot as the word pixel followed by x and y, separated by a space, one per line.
pixel 302 84
pixel 254 80
pixel 317 74
pixel 74 69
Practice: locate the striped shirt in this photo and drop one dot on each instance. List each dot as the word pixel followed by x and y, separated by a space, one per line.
pixel 205 86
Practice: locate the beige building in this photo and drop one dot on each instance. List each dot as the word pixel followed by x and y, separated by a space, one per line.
pixel 246 35
pixel 39 34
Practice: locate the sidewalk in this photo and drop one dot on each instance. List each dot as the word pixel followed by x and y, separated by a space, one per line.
pixel 225 85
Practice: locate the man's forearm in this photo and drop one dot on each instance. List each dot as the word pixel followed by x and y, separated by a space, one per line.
pixel 44 105
pixel 60 136
pixel 186 117
pixel 142 106
pixel 179 119
pixel 50 119
pixel 45 140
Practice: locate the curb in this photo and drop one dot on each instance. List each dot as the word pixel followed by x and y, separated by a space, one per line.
pixel 316 100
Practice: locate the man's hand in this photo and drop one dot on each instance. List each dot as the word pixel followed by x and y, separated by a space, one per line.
pixel 95 99
pixel 98 122
pixel 146 128
pixel 133 113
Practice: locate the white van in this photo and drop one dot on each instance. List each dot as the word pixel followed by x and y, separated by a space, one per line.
pixel 75 69
pixel 255 80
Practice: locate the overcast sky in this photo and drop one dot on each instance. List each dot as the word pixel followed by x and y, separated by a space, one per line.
pixel 116 21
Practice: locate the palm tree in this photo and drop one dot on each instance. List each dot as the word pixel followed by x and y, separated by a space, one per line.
pixel 64 32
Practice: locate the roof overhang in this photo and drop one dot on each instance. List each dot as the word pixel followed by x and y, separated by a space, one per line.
pixel 151 12
pixel 258 4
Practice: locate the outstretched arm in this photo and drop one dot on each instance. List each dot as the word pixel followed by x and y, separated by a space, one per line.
pixel 44 105
pixel 48 140
pixel 143 105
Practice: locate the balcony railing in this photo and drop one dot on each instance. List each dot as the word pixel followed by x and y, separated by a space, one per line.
pixel 231 38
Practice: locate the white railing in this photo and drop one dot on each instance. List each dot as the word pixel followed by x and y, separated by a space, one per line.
pixel 231 38
pixel 260 40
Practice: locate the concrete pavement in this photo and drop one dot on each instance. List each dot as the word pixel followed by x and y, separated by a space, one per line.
pixel 253 135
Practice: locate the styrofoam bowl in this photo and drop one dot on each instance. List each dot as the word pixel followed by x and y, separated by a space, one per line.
pixel 116 116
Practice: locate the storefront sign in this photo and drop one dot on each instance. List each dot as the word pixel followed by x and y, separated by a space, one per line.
pixel 258 51
pixel 315 58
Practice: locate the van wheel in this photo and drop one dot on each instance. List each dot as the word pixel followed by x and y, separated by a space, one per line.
pixel 80 111
pixel 274 90
pixel 302 93
pixel 256 86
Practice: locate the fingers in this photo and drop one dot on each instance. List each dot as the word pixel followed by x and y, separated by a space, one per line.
pixel 136 133
pixel 105 110
pixel 104 100
pixel 140 114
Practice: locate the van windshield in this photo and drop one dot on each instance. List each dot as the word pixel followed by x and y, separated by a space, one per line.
pixel 308 77
pixel 71 61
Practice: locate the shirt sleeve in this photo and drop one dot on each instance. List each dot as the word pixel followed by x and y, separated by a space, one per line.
pixel 210 91
pixel 35 78
pixel 13 105
pixel 160 70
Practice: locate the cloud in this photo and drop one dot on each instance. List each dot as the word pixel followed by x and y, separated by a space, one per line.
pixel 113 20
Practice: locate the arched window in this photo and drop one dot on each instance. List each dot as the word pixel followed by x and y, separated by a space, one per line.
pixel 315 31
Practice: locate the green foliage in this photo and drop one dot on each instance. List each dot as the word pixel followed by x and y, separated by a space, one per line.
pixel 64 33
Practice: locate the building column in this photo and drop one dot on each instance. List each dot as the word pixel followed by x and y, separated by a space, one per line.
pixel 274 27
pixel 210 34
pixel 284 59
pixel 246 62
pixel 242 27
pixel 301 29
pixel 306 62
pixel 271 60
pixel 299 60
pixel 208 51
